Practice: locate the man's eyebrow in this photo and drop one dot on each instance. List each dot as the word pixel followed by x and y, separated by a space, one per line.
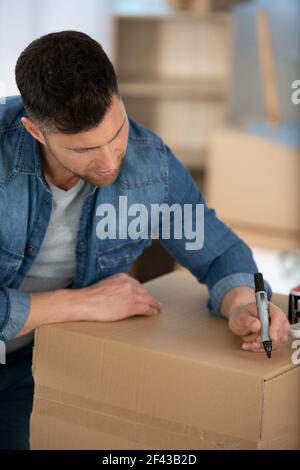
pixel 99 146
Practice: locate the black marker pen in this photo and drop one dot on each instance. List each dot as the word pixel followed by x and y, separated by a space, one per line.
pixel 263 312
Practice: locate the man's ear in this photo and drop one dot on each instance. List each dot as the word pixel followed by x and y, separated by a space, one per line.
pixel 33 129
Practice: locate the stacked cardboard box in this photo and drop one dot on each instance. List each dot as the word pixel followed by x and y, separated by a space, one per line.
pixel 254 184
pixel 178 380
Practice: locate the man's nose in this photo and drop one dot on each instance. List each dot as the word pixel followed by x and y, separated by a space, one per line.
pixel 107 160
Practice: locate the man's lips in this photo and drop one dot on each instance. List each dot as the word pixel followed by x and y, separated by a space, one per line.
pixel 105 172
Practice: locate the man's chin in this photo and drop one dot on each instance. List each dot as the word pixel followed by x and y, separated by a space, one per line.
pixel 101 180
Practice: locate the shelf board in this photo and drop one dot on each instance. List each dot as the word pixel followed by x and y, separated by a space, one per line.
pixel 174 88
pixel 183 16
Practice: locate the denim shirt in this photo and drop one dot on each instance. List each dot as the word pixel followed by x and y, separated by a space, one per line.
pixel 150 174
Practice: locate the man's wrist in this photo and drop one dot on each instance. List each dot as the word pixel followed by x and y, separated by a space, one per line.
pixel 236 297
pixel 72 304
pixel 62 305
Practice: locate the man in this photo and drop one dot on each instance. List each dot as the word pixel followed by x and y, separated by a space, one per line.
pixel 67 148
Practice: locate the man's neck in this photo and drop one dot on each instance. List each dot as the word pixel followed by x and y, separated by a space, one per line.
pixel 55 173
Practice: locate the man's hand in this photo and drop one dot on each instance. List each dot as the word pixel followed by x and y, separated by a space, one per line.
pixel 244 322
pixel 115 298
pixel 239 306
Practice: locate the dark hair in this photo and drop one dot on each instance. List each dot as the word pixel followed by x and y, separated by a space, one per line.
pixel 66 81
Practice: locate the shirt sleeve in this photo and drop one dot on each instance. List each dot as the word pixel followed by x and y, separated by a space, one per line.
pixel 14 311
pixel 224 260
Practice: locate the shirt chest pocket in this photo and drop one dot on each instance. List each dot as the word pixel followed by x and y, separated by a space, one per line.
pixel 9 266
pixel 120 257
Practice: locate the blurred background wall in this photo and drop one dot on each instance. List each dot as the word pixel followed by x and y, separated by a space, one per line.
pixel 21 21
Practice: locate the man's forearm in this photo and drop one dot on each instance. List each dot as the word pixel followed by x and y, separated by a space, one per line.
pixel 114 298
pixel 65 305
pixel 52 307
pixel 235 297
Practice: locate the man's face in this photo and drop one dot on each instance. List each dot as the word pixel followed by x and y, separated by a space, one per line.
pixel 95 155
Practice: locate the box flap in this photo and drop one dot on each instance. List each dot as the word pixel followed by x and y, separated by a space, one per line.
pixel 185 329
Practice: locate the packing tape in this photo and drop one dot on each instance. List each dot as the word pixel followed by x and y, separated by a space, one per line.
pixel 142 428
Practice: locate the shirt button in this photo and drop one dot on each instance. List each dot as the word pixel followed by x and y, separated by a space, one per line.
pixel 45 201
pixel 30 248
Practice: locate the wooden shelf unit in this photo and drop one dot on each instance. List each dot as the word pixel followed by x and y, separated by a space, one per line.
pixel 174 76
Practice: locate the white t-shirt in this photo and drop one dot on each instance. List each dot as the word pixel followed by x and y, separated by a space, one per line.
pixel 54 266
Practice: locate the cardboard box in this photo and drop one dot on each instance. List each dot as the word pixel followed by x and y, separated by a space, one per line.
pixel 176 381
pixel 254 185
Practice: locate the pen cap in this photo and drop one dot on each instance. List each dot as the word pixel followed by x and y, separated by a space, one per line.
pixel 259 282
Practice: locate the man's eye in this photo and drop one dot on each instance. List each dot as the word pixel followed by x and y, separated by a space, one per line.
pixel 80 151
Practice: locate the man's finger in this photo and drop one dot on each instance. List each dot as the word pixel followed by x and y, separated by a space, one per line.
pixel 252 309
pixel 250 337
pixel 278 324
pixel 243 323
pixel 144 309
pixel 253 347
pixel 140 298
pixel 253 324
pixel 285 338
pixel 257 346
